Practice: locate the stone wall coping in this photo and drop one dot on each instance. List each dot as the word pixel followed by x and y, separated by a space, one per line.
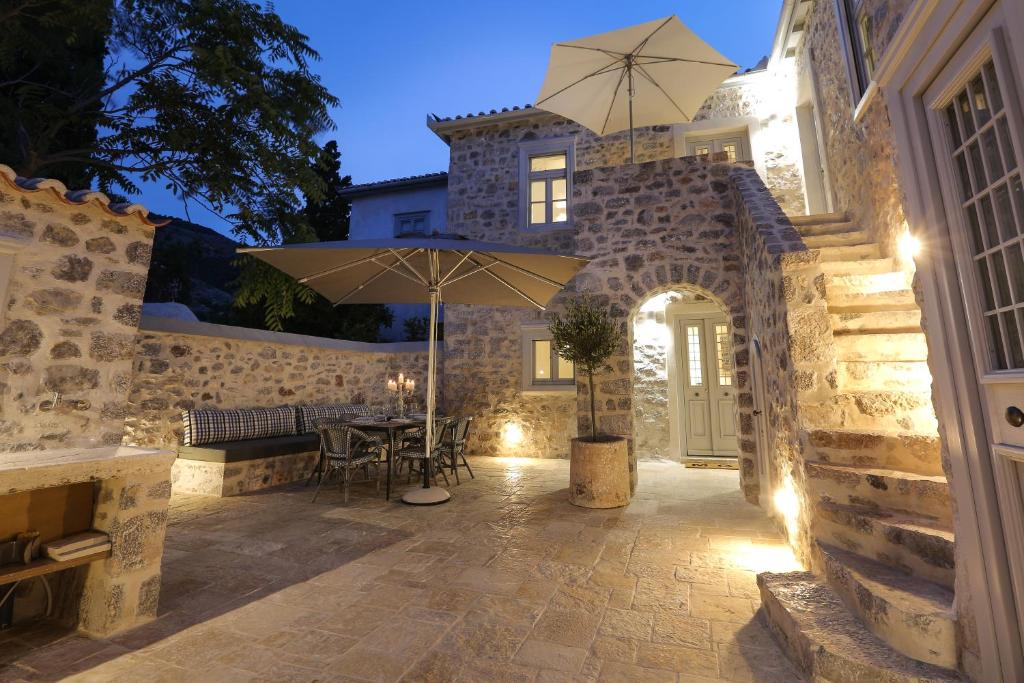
pixel 150 323
pixel 27 470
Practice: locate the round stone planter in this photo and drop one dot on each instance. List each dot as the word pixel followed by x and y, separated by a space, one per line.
pixel 599 473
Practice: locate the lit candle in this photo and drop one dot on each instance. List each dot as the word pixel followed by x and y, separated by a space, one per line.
pixel 392 385
pixel 409 386
pixel 401 378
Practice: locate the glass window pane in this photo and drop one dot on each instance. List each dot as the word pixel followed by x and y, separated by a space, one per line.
pixel 538 213
pixel 542 359
pixel 985 284
pixel 1013 340
pixel 977 168
pixel 1017 193
pixel 538 190
pixel 980 101
pixel 965 177
pixel 997 342
pixel 1006 143
pixel 559 212
pixel 566 370
pixel 1004 213
pixel 702 151
pixel 1015 267
pixel 994 94
pixel 954 126
pixel 723 355
pixel 548 162
pixel 977 238
pixel 730 151
pixel 988 216
pixel 995 164
pixel 966 118
pixel 696 372
pixel 1002 282
pixel 558 188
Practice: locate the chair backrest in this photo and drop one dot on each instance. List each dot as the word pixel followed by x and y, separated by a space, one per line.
pixel 441 425
pixel 339 438
pixel 461 429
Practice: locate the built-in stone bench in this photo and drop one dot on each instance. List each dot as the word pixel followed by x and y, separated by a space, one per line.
pixel 229 468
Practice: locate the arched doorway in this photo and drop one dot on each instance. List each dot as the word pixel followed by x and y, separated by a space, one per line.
pixel 684 380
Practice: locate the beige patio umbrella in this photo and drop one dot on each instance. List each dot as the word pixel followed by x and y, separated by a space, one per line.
pixel 425 269
pixel 659 72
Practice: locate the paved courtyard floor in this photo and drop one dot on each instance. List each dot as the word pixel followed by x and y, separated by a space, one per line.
pixel 507 582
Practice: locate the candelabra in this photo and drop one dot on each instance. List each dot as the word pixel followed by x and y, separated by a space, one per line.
pixel 402 388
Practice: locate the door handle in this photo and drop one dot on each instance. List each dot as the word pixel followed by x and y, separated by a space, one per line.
pixel 757 412
pixel 1015 416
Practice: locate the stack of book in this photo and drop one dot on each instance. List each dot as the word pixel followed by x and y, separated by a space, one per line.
pixel 79 545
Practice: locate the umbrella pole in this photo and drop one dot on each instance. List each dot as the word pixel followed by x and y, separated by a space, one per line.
pixel 629 74
pixel 429 495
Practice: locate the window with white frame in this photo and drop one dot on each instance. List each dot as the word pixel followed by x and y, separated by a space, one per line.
pixel 411 222
pixel 543 368
pixel 855 27
pixel 545 184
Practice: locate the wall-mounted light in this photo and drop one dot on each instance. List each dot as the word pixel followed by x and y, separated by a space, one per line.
pixel 512 434
pixel 787 504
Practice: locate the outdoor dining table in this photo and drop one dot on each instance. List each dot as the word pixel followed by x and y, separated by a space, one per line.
pixel 393 428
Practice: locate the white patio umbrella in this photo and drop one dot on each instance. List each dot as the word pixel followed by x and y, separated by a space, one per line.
pixel 659 72
pixel 430 270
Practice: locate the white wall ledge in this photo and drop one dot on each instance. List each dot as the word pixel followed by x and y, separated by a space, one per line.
pixel 151 323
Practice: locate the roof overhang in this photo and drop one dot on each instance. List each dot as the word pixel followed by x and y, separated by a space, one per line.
pixel 444 128
pixel 790 29
pixel 439 179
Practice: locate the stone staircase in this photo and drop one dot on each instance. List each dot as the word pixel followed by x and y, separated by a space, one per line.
pixel 880 606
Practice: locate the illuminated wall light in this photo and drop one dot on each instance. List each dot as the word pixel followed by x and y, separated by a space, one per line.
pixel 512 434
pixel 908 246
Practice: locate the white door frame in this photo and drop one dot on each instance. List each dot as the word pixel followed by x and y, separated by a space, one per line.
pixel 818 183
pixel 764 471
pixel 929 37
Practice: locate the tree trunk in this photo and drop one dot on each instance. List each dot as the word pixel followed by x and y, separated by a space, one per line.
pixel 593 412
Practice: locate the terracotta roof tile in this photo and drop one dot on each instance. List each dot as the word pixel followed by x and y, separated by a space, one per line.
pixel 76 197
pixel 481 114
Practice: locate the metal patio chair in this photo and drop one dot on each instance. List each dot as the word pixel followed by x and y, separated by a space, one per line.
pixel 345 449
pixel 415 452
pixel 454 445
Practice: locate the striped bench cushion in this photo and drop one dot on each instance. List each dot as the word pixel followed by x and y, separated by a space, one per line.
pixel 308 415
pixel 216 426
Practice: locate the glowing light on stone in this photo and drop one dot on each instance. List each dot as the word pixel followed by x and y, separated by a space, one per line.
pixel 787 504
pixel 512 434
pixel 908 246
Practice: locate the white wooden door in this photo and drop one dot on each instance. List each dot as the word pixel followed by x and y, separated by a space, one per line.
pixel 709 402
pixel 734 145
pixel 977 130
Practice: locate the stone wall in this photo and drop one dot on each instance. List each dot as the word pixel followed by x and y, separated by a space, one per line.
pixel 767 97
pixel 861 155
pixel 68 325
pixel 181 365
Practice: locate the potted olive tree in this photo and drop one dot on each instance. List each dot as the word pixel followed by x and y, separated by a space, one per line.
pixel 599 467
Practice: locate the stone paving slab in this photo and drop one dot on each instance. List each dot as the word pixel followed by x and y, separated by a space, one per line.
pixel 508 582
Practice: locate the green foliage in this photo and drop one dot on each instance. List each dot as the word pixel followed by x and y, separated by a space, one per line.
pixel 329 215
pixel 587 335
pixel 215 98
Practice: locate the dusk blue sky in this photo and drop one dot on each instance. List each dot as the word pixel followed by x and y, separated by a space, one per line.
pixel 391 63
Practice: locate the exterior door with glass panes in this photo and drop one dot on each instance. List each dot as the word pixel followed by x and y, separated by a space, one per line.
pixel 977 129
pixel 708 397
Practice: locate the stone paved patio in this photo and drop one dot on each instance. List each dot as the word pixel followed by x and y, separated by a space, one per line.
pixel 508 582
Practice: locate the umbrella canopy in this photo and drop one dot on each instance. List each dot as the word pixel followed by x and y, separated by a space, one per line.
pixel 425 270
pixel 659 72
pixel 400 270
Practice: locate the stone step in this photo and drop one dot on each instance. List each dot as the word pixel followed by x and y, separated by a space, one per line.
pixel 859 267
pixel 860 252
pixel 841 300
pixel 908 452
pixel 888 411
pixel 915 544
pixel 829 643
pixel 899 346
pixel 849 238
pixel 913 616
pixel 815 229
pixel 881 489
pixel 876 321
pixel 867 283
pixel 817 219
pixel 913 376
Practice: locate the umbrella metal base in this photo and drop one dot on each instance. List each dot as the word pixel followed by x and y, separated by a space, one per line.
pixel 435 495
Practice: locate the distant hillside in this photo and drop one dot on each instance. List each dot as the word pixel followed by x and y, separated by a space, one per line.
pixel 192 266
